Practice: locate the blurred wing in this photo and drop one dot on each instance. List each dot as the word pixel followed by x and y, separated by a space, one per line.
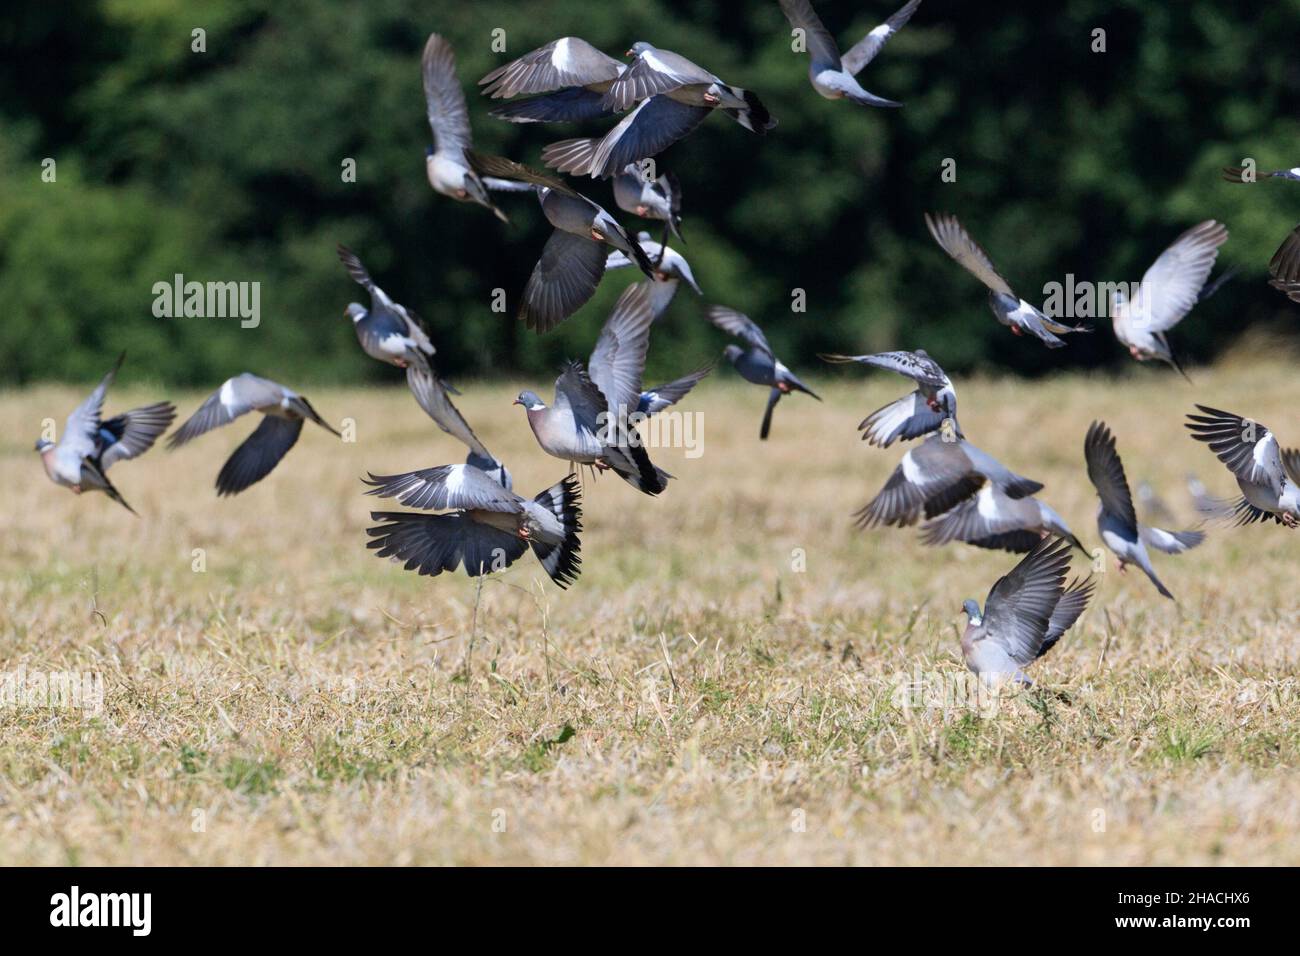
pixel 1284 267
pixel 443 98
pixel 955 241
pixel 568 61
pixel 655 400
pixel 1019 609
pixel 1170 542
pixel 823 49
pixel 445 488
pixel 917 366
pixel 431 395
pixel 356 270
pixel 259 454
pixel 498 167
pixel 1172 285
pixel 740 325
pixel 134 432
pixel 865 50
pixel 618 360
pixel 1106 472
pixel 220 408
pixel 564 278
pixel 83 424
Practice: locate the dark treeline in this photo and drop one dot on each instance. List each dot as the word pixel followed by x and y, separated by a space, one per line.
pixel 226 165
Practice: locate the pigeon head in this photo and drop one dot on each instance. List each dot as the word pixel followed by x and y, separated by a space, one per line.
pixel 732 352
pixel 355 311
pixel 972 612
pixel 530 401
pixel 639 47
pixel 42 444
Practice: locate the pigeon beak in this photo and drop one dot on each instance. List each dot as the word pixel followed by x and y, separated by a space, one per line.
pixel 627 53
pixel 516 402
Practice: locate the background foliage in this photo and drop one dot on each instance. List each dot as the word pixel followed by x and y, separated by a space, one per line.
pixel 225 165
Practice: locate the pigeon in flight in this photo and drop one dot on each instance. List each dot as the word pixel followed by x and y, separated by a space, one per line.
pixel 1166 294
pixel 445 161
pixel 672 97
pixel 573 259
pixel 1205 503
pixel 993 520
pixel 654 400
pixel 936 476
pixel 1025 614
pixel 486 528
pixel 670 267
pixel 90 446
pixel 833 75
pixel 1237 174
pixel 635 191
pixel 756 362
pixel 1011 310
pixel 1117 520
pixel 283 412
pixel 918 413
pixel 1284 267
pixel 387 331
pixel 592 421
pixel 1268 476
pixel 571 74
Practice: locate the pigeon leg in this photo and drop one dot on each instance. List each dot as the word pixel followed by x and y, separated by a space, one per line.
pixel 1289 520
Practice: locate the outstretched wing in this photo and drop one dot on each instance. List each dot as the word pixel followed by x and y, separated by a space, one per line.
pixel 133 433
pixel 566 62
pixel 443 98
pixel 1019 608
pixel 865 50
pixel 955 241
pixel 1173 284
pixel 1106 472
pixel 823 49
pixel 444 488
pixel 618 360
pixel 740 325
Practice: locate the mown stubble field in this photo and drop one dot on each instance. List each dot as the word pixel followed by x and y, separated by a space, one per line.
pixel 693 698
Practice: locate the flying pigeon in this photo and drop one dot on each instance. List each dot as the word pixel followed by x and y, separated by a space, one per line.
pixel 993 520
pixel 89 447
pixel 918 413
pixel 1166 294
pixel 936 476
pixel 1116 520
pixel 757 362
pixel 635 191
pixel 1268 476
pixel 573 259
pixel 486 528
pixel 1011 310
pixel 1284 267
pixel 655 400
pixel 445 162
pixel 573 75
pixel 832 75
pixel 592 419
pixel 387 331
pixel 670 267
pixel 672 97
pixel 1237 174
pixel 1153 507
pixel 283 412
pixel 1024 615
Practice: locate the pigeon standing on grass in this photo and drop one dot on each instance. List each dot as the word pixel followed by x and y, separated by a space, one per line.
pixel 591 421
pixel 757 362
pixel 1025 614
pixel 1166 294
pixel 90 446
pixel 283 412
pixel 1268 476
pixel 1009 309
pixel 487 528
pixel 832 75
pixel 1116 518
pixel 573 259
pixel 918 413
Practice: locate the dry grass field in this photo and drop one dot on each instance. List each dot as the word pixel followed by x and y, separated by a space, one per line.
pixel 693 698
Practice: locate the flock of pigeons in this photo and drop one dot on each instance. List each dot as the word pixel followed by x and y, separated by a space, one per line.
pixel 481 525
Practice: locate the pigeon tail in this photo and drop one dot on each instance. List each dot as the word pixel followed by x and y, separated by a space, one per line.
pixel 561 560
